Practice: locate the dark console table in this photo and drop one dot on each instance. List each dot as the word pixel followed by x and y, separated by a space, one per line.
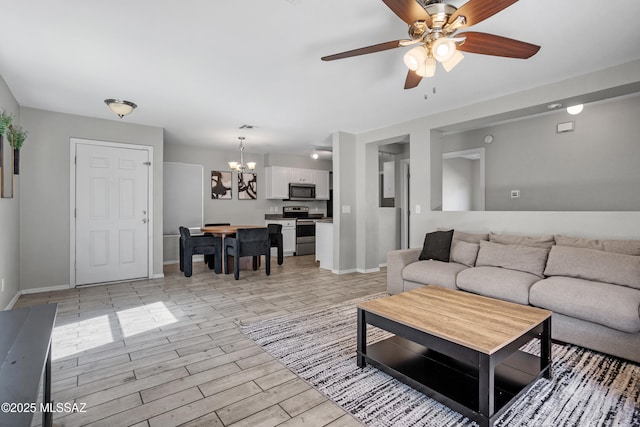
pixel 25 354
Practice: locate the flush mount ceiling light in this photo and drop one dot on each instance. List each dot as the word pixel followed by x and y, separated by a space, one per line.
pixel 120 107
pixel 241 167
pixel 432 28
pixel 575 109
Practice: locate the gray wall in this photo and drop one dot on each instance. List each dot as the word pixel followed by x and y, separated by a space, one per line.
pixel 45 173
pixel 344 195
pixel 426 170
pixel 10 219
pixel 594 168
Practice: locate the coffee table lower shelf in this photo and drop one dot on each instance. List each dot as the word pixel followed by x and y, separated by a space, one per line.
pixel 450 381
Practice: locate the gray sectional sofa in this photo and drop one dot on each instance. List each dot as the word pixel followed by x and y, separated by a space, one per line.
pixel 591 286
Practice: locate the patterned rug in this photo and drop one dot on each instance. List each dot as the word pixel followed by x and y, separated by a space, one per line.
pixel 587 388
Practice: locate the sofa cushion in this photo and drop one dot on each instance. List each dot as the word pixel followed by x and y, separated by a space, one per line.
pixel 520 239
pixel 432 272
pixel 627 247
pixel 591 264
pixel 437 246
pixel 464 252
pixel 470 237
pixel 613 306
pixel 496 282
pixel 514 257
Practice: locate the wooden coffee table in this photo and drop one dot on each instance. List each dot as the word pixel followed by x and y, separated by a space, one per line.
pixel 459 348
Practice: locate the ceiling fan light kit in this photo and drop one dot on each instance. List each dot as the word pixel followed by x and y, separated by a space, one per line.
pixel 432 26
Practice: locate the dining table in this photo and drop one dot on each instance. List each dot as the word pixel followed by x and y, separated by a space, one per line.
pixel 227 230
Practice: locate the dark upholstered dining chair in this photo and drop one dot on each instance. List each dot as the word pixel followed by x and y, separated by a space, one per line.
pixel 275 239
pixel 213 224
pixel 248 242
pixel 207 245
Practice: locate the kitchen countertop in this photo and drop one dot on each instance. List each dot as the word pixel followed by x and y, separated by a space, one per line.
pixel 318 216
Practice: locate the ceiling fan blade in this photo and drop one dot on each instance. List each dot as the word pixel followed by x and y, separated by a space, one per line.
pixel 490 44
pixel 412 80
pixel 363 50
pixel 409 11
pixel 476 11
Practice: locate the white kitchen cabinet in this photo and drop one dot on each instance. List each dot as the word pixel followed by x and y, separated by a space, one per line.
pixel 278 178
pixel 288 235
pixel 277 182
pixel 322 185
pixel 302 176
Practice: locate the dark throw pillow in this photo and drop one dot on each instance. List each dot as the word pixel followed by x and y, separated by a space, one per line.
pixel 437 246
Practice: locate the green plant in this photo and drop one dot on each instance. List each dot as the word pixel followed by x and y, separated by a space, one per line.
pixel 16 135
pixel 5 121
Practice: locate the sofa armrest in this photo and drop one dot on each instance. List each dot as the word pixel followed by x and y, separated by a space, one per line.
pixel 396 262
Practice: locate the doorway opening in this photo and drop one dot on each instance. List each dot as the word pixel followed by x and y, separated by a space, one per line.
pixel 463 185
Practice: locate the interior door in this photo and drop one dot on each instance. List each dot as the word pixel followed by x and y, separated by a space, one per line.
pixel 111 218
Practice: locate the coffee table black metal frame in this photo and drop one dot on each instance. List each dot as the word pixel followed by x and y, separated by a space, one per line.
pixel 478 385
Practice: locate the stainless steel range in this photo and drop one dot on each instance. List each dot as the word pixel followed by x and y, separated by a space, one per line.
pixel 305 229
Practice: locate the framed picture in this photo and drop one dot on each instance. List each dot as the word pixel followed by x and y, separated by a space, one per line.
pixel 221 185
pixel 247 186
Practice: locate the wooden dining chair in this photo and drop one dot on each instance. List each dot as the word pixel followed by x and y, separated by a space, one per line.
pixel 208 245
pixel 248 242
pixel 275 240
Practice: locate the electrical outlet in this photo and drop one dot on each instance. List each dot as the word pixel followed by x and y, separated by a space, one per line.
pixel 515 194
pixel 418 209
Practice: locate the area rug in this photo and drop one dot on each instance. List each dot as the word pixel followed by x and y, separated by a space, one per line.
pixel 587 388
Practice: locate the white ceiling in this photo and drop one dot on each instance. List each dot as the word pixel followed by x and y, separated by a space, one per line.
pixel 202 68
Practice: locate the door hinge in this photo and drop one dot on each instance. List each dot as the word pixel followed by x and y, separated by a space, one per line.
pixel 147 163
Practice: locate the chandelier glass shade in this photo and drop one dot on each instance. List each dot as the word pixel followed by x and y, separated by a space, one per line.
pixel 241 166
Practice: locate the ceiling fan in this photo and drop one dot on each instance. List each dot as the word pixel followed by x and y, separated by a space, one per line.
pixel 432 28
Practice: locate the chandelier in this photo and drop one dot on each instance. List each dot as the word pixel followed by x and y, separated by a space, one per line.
pixel 241 167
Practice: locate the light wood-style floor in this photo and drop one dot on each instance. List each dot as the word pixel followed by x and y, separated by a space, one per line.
pixel 168 352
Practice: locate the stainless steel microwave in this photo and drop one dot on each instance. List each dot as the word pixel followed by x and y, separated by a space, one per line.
pixel 302 191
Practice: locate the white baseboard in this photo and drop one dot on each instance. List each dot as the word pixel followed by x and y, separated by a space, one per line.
pixel 159 275
pixel 352 270
pixel 369 270
pixel 13 301
pixel 46 289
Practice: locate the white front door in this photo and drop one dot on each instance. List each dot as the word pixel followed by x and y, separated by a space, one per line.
pixel 112 213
